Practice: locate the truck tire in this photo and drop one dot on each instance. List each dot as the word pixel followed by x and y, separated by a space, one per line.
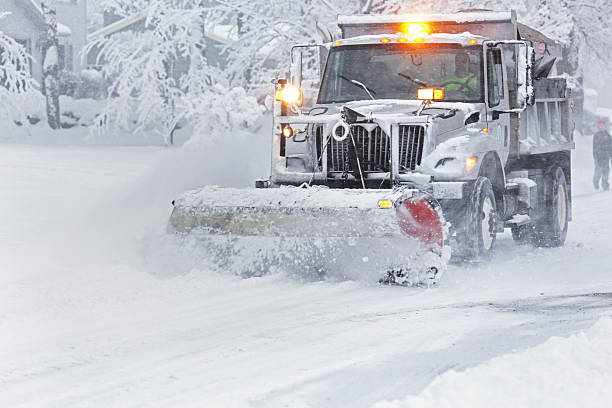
pixel 477 238
pixel 551 229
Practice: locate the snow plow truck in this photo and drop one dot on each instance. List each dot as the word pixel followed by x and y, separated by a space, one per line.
pixel 426 136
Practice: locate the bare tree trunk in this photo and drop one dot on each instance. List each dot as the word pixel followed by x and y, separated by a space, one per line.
pixel 51 64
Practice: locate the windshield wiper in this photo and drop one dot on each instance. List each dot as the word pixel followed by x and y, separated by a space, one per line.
pixel 415 80
pixel 359 84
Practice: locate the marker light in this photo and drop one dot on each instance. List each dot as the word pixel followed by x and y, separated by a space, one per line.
pixel 417 29
pixel 402 40
pixel 485 130
pixel 430 94
pixel 470 162
pixel 473 42
pixel 385 40
pixel 337 43
pixel 419 40
pixel 385 204
pixel 289 94
pixel 287 132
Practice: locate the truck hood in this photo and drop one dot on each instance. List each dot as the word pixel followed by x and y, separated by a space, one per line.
pixel 447 116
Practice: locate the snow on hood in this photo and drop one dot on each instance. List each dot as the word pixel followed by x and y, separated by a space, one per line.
pixel 452 148
pixel 389 111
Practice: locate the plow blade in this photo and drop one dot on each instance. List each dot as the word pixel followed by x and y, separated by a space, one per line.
pixel 283 212
pixel 317 231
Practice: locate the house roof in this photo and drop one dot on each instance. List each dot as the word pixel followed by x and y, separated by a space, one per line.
pixel 220 33
pixel 35 4
pixel 34 7
pixel 116 27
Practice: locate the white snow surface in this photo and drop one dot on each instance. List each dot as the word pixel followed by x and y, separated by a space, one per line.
pixel 562 372
pixel 99 308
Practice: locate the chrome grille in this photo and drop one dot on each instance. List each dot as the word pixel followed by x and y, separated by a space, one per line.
pixel 373 150
pixel 411 141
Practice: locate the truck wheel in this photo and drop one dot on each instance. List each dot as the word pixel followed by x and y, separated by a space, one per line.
pixel 477 238
pixel 551 230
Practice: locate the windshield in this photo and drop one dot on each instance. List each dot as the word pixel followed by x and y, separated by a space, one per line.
pixel 397 71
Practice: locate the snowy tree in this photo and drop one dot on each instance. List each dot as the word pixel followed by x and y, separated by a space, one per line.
pixel 161 75
pixel 51 64
pixel 15 79
pixel 265 30
pixel 120 8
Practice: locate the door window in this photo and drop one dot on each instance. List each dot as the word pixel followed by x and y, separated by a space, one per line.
pixel 494 77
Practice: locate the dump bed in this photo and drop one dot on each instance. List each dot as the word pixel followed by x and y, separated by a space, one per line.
pixel 546 126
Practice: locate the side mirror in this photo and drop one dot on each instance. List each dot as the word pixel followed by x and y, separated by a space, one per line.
pixel 304 70
pixel 526 62
pixel 296 70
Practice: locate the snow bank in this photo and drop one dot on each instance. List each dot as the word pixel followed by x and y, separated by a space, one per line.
pixel 562 372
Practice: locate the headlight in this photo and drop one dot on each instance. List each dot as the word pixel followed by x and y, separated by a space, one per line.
pixel 287 131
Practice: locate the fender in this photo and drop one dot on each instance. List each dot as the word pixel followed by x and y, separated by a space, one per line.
pixel 491 168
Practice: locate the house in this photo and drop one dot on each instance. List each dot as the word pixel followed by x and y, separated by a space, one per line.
pixel 25 23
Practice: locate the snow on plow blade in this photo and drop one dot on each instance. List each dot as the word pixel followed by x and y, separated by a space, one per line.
pixel 313 230
pixel 284 212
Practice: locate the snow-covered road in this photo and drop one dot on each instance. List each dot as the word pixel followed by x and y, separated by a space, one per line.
pixel 95 309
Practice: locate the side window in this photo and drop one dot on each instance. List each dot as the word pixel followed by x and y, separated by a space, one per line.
pixel 494 77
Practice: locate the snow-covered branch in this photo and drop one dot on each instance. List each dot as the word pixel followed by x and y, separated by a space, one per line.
pixel 15 78
pixel 161 74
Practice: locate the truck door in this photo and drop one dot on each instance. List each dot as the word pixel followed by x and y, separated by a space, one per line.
pixel 497 101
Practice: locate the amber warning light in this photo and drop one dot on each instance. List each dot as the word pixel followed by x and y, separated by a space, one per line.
pixel 385 204
pixel 415 29
pixel 430 94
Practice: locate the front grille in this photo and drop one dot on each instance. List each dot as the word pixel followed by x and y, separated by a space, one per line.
pixel 373 150
pixel 411 141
